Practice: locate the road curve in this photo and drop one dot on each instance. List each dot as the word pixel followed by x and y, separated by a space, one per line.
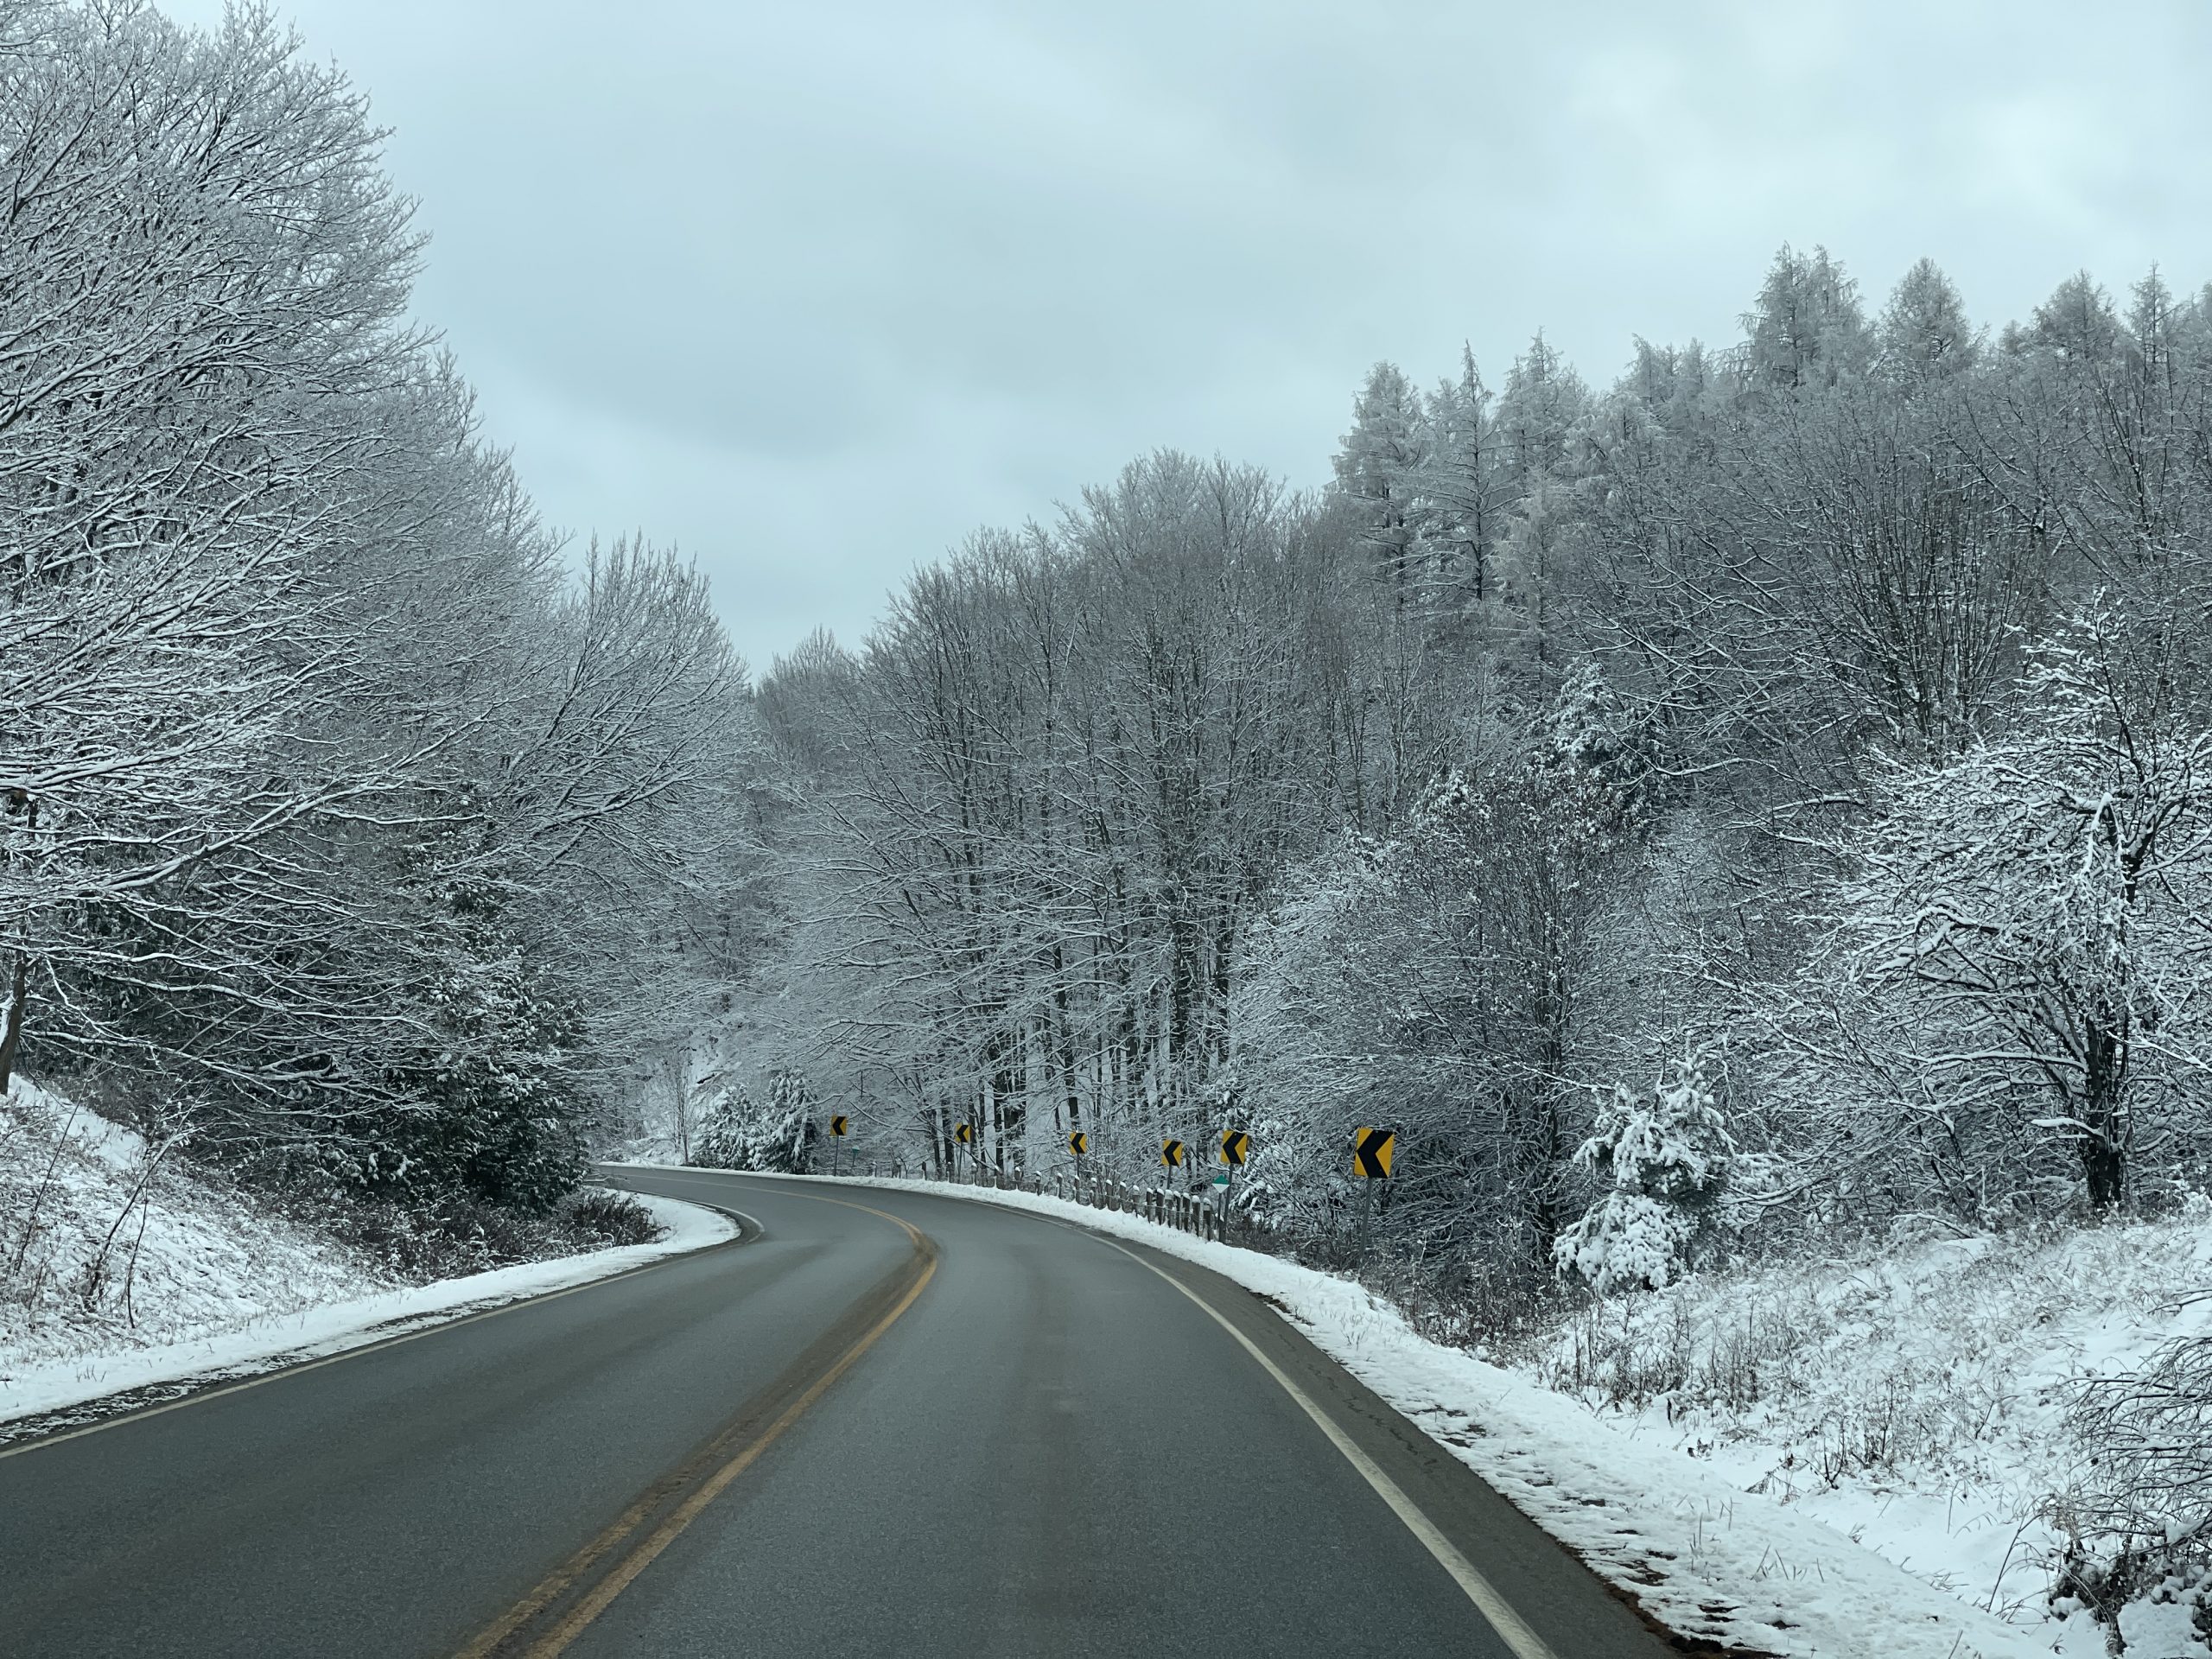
pixel 884 1423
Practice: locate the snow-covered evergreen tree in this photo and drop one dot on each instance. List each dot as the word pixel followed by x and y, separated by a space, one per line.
pixel 1379 470
pixel 1807 330
pixel 1462 487
pixel 1924 332
pixel 1663 1155
pixel 776 1134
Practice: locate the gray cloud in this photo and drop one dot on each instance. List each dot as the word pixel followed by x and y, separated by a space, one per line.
pixel 814 291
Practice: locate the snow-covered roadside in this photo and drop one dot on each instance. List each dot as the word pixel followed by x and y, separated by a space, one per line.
pixel 107 1245
pixel 1914 1396
pixel 32 1398
pixel 125 1273
pixel 1699 1553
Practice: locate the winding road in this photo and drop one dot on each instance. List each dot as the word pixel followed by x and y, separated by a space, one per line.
pixel 882 1422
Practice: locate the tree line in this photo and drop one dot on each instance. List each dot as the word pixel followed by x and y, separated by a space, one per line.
pixel 1762 797
pixel 343 818
pixel 1759 797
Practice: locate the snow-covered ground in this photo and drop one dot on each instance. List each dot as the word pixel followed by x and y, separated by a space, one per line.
pixel 101 1251
pixel 1914 1399
pixel 1878 1488
pixel 120 1274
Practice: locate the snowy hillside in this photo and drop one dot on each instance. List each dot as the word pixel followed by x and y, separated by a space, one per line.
pixel 105 1246
pixel 1915 1400
pixel 122 1264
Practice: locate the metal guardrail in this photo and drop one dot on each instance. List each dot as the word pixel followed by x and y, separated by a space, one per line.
pixel 1198 1214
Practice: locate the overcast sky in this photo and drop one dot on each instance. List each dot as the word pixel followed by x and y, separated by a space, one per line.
pixel 813 290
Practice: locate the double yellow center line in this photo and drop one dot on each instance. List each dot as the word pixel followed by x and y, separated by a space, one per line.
pixel 565 1602
pixel 561 1607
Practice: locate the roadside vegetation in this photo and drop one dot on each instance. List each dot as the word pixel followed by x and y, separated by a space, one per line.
pixel 358 836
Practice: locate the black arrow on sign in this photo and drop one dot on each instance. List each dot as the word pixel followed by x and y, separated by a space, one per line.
pixel 1372 1150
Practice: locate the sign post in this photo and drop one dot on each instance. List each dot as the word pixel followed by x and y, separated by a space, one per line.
pixel 1372 1153
pixel 1235 1147
pixel 836 1141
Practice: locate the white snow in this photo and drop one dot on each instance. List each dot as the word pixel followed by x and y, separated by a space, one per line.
pixel 1913 1398
pixel 1678 1533
pixel 218 1290
pixel 182 1256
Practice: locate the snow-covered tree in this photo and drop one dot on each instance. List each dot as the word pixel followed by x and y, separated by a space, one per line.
pixel 1662 1157
pixel 326 797
pixel 2030 916
pixel 1925 333
pixel 1379 467
pixel 1463 485
pixel 1807 329
pixel 1543 404
pixel 776 1135
pixel 1433 980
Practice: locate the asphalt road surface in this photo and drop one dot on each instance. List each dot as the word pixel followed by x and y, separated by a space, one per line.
pixel 883 1423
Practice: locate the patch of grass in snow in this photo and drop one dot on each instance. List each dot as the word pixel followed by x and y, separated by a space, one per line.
pixel 1929 1355
pixel 1924 1398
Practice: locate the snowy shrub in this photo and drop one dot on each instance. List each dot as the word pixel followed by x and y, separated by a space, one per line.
pixel 2142 1509
pixel 1666 1154
pixel 778 1136
pixel 446 1235
pixel 612 1217
pixel 723 1138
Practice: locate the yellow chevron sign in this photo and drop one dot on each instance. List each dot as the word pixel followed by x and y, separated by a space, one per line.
pixel 1171 1153
pixel 1235 1147
pixel 1371 1153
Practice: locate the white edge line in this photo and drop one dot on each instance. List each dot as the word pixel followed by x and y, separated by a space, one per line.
pixel 377 1346
pixel 1511 1628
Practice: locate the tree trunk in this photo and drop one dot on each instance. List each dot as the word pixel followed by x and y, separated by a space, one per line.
pixel 11 1037
pixel 2104 1158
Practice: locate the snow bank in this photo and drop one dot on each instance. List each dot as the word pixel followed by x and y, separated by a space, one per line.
pixel 1914 1399
pixel 212 1289
pixel 1677 1533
